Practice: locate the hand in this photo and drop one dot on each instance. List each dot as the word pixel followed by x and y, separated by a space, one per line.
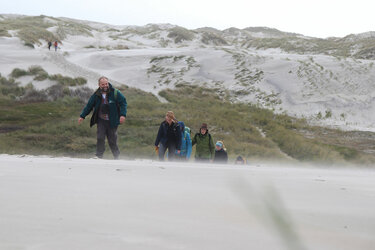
pixel 156 148
pixel 80 120
pixel 122 119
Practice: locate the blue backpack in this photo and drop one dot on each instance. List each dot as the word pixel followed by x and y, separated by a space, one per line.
pixel 186 131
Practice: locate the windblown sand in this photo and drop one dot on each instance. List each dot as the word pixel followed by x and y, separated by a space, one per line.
pixel 64 203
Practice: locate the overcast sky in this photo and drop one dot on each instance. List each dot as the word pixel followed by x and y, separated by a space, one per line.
pixel 318 18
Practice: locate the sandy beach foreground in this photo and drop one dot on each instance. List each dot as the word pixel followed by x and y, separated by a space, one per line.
pixel 64 203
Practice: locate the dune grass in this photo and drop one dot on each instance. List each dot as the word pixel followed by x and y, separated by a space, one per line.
pixel 33 30
pixel 180 34
pixel 40 75
pixel 50 127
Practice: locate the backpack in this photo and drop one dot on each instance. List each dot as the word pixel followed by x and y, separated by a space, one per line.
pixel 186 131
pixel 117 104
pixel 116 91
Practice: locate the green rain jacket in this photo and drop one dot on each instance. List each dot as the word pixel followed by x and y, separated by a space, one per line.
pixel 117 106
pixel 205 148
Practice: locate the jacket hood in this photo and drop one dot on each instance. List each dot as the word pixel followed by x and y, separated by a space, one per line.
pixel 182 125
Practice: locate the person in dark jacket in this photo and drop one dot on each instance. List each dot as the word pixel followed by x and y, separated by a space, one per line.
pixel 110 109
pixel 169 137
pixel 205 149
pixel 221 155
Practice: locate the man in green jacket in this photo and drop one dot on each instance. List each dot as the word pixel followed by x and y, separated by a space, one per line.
pixel 109 106
pixel 205 149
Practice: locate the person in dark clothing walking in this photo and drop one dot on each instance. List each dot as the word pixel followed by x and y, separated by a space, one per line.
pixel 110 109
pixel 221 155
pixel 169 137
pixel 205 148
pixel 49 45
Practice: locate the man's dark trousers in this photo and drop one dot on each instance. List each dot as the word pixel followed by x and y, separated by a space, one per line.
pixel 104 130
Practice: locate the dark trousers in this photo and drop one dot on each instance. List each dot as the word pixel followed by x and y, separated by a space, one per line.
pixel 171 151
pixel 104 130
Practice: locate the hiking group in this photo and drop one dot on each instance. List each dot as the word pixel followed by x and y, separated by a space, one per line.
pixel 173 137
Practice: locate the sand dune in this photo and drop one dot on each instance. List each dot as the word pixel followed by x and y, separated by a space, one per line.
pixel 301 85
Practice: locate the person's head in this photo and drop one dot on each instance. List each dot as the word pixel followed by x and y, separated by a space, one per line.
pixel 219 145
pixel 182 126
pixel 239 160
pixel 103 84
pixel 169 117
pixel 203 128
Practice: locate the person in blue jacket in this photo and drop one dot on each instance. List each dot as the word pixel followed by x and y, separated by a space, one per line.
pixel 169 137
pixel 110 109
pixel 185 143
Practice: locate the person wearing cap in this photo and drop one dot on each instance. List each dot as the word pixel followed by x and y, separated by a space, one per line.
pixel 221 155
pixel 205 148
pixel 169 137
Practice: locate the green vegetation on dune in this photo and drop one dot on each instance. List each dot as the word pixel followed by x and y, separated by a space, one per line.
pixel 339 47
pixel 180 34
pixel 50 127
pixel 30 29
pixel 34 29
pixel 40 74
pixel 4 33
pixel 213 38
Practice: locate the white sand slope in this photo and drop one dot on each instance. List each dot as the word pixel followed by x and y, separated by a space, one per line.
pixel 340 90
pixel 326 90
pixel 77 204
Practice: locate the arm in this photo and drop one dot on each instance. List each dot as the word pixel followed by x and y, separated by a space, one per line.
pixel 122 103
pixel 194 141
pixel 212 147
pixel 189 146
pixel 88 108
pixel 123 106
pixel 158 137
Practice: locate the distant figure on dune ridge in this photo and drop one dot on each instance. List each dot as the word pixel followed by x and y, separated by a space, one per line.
pixel 56 45
pixel 110 109
pixel 169 137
